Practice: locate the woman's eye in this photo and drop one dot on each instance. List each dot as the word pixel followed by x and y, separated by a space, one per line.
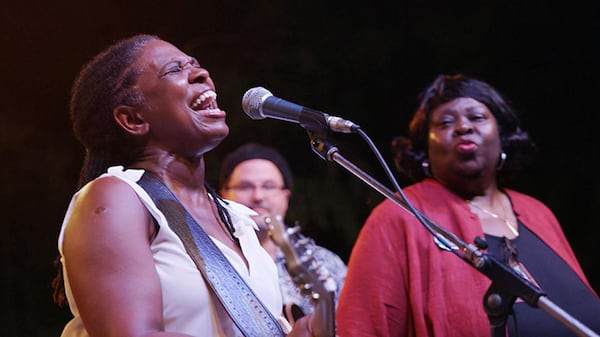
pixel 180 66
pixel 478 117
pixel 445 122
pixel 175 68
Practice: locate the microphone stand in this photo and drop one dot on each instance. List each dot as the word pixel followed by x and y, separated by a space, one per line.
pixel 506 285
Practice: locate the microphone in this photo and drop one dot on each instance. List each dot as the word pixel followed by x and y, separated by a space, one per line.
pixel 259 103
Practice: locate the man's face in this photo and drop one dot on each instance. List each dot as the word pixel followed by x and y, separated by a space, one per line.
pixel 258 184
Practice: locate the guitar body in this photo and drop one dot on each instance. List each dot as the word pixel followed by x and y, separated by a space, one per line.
pixel 305 272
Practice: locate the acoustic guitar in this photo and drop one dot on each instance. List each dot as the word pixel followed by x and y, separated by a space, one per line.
pixel 307 273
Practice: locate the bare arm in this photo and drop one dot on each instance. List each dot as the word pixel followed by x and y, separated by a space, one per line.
pixel 109 263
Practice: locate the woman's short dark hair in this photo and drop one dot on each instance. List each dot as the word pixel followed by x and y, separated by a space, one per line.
pixel 409 153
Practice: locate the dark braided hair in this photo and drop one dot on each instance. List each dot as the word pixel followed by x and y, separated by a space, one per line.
pixel 409 153
pixel 104 83
pixel 222 211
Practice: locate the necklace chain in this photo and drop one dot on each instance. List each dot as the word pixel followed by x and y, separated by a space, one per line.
pixel 508 223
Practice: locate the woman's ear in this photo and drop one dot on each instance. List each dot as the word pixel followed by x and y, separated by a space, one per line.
pixel 130 120
pixel 287 193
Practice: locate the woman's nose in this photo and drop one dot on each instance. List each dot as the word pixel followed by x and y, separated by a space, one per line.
pixel 463 126
pixel 198 75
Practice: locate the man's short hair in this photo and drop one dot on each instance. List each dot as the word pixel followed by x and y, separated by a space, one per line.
pixel 255 151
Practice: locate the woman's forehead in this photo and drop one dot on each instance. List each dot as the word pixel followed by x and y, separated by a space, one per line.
pixel 459 104
pixel 160 52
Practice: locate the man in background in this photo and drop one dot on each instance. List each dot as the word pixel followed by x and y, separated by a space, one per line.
pixel 259 177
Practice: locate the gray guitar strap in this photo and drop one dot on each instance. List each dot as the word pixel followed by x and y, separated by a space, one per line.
pixel 247 312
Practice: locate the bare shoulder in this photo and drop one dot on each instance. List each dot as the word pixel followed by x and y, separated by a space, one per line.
pixel 108 188
pixel 104 206
pixel 109 192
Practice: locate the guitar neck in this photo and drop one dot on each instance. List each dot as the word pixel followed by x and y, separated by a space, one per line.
pixel 303 269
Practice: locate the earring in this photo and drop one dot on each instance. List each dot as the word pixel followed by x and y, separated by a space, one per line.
pixel 426 168
pixel 501 161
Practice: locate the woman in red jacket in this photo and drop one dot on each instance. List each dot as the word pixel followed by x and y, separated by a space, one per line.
pixel 465 144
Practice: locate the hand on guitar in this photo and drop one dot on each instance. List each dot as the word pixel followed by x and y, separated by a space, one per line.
pixel 302 327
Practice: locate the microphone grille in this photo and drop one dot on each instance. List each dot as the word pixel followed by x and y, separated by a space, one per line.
pixel 253 100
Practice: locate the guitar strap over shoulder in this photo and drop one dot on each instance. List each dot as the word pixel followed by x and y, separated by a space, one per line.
pixel 247 312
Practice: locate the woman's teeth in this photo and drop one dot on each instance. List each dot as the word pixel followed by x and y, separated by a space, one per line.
pixel 205 101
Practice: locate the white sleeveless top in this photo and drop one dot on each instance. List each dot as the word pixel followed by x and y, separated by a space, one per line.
pixel 188 304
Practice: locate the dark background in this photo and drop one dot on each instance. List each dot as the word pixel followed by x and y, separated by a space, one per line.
pixel 362 61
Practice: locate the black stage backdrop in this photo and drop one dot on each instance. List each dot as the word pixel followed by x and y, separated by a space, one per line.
pixel 365 62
